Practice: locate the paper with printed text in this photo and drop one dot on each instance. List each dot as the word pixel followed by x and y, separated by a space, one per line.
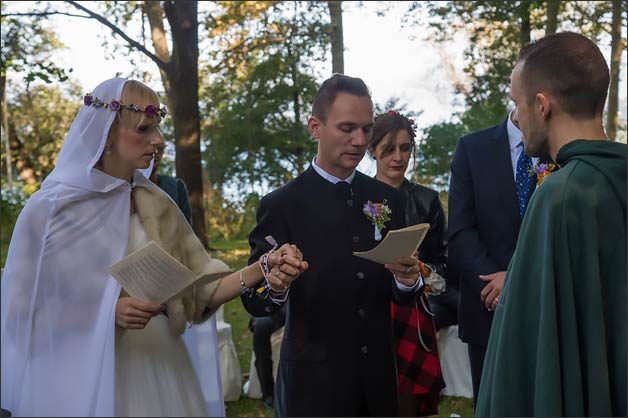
pixel 153 275
pixel 397 243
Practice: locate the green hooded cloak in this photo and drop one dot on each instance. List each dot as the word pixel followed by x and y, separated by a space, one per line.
pixel 558 341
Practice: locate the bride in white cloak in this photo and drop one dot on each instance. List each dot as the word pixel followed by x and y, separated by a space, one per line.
pixel 73 342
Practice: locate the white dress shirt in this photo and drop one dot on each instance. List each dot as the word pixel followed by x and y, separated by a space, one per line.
pixel 515 139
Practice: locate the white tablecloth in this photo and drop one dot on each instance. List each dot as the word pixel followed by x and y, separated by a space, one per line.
pixel 454 361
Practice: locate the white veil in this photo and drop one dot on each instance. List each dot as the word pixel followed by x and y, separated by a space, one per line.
pixel 58 301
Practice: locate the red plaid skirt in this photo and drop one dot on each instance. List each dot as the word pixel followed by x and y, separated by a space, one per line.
pixel 418 370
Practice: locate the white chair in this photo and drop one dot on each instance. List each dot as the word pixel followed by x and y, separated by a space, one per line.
pixel 230 371
pixel 252 387
pixel 454 361
pixel 202 344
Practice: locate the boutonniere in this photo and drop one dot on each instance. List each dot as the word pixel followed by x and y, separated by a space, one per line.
pixel 378 214
pixel 541 170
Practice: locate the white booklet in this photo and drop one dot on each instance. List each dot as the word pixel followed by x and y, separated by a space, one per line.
pixel 397 243
pixel 153 275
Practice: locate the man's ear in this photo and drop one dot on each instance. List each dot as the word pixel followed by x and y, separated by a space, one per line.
pixel 543 105
pixel 313 127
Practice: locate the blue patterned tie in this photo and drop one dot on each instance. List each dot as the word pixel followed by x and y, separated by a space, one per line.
pixel 523 180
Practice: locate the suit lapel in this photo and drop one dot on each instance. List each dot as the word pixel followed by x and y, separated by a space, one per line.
pixel 503 172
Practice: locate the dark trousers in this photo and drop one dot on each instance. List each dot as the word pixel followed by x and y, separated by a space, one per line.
pixel 263 328
pixel 476 359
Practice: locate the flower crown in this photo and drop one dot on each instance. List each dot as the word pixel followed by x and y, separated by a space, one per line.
pixel 393 112
pixel 115 105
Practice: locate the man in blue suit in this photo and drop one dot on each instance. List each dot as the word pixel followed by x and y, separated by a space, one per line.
pixel 489 190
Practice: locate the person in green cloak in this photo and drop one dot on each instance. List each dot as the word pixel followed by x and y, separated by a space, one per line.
pixel 558 342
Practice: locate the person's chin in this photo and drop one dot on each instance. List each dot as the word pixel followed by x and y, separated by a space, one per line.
pixel 396 172
pixel 143 163
pixel 353 159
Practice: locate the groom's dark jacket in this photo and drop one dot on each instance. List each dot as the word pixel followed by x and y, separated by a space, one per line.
pixel 337 356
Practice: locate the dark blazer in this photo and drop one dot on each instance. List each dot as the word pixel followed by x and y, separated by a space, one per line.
pixel 484 222
pixel 337 353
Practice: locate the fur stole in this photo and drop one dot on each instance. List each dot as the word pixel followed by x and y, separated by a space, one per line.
pixel 166 225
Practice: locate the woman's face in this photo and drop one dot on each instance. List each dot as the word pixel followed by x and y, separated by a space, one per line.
pixel 134 146
pixel 392 155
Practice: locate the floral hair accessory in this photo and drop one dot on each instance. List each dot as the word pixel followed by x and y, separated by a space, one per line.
pixel 115 105
pixel 378 214
pixel 541 170
pixel 411 122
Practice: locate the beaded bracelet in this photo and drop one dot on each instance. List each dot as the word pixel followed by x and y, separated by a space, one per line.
pixel 261 291
pixel 244 289
pixel 263 263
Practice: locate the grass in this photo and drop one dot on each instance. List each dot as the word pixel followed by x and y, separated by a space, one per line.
pixel 235 254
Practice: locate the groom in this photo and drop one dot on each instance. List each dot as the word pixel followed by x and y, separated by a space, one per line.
pixel 337 356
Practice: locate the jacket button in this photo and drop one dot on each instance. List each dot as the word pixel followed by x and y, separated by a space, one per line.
pixel 350 202
pixel 362 313
pixel 364 349
pixel 356 239
pixel 360 275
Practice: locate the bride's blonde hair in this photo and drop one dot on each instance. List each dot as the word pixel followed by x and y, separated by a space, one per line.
pixel 137 93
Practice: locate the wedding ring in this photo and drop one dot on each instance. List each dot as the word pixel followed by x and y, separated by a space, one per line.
pixel 409 269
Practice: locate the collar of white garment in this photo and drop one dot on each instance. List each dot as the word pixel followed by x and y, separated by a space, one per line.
pixel 515 136
pixel 330 177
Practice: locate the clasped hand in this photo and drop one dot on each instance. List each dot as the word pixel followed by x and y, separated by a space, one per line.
pixel 491 292
pixel 286 265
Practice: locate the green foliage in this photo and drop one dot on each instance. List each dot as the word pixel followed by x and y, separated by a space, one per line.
pixel 11 205
pixel 27 47
pixel 260 86
pixel 229 219
pixel 40 118
pixel 434 154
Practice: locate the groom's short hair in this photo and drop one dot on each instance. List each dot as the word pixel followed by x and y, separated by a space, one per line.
pixel 571 68
pixel 330 88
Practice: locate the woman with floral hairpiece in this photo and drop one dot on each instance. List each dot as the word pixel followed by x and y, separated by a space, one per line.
pixel 420 378
pixel 73 342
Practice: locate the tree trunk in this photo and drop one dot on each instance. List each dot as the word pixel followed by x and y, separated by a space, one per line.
pixel 299 150
pixel 337 43
pixel 181 86
pixel 23 161
pixel 182 73
pixel 552 16
pixel 5 131
pixel 155 15
pixel 617 47
pixel 524 16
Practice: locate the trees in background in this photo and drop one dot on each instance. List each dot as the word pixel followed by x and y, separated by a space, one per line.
pixel 29 125
pixel 496 30
pixel 261 78
pixel 239 77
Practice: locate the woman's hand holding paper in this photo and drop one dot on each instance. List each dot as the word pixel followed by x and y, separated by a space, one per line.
pixel 132 313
